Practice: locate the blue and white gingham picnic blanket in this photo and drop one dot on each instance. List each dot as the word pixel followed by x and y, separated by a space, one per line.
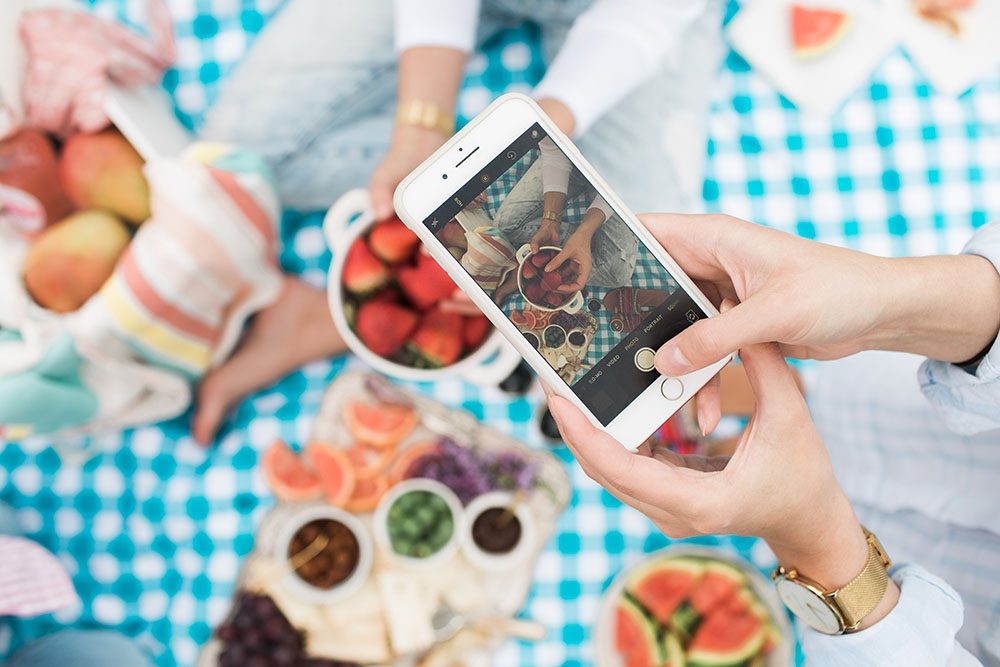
pixel 153 527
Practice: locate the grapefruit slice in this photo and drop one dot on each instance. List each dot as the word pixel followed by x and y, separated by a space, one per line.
pixel 816 31
pixel 401 466
pixel 379 425
pixel 287 474
pixel 367 493
pixel 335 472
pixel 369 461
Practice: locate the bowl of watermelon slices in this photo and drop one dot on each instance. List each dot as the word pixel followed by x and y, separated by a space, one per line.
pixel 385 294
pixel 692 605
pixel 541 288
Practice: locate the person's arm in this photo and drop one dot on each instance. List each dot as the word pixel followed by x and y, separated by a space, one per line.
pixel 433 38
pixel 822 302
pixel 967 395
pixel 778 485
pixel 919 629
pixel 611 48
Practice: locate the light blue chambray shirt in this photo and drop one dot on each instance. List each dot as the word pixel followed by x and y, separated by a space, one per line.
pixel 925 477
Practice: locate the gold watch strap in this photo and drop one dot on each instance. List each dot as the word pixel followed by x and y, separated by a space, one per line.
pixel 858 598
pixel 551 216
pixel 427 115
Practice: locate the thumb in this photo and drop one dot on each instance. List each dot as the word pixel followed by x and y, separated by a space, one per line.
pixel 708 340
pixel 381 195
pixel 770 377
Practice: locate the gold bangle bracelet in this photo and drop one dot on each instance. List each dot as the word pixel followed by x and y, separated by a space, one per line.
pixel 418 113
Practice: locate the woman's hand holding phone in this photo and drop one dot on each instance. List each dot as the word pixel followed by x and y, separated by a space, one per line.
pixel 779 484
pixel 819 301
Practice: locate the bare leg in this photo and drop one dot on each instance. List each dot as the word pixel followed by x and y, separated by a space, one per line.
pixel 293 331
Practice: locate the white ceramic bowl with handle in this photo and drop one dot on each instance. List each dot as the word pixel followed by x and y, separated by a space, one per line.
pixel 571 305
pixel 348 219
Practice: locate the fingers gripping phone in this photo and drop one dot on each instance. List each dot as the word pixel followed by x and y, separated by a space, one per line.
pixel 537 239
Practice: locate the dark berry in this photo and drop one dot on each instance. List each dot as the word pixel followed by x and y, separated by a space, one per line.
pixel 519 381
pixel 549 428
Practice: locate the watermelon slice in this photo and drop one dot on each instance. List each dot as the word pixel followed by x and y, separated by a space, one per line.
pixel 673 651
pixel 636 636
pixel 662 585
pixel 720 582
pixel 727 638
pixel 817 31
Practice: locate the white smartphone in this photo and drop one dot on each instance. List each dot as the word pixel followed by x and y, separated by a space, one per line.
pixel 497 205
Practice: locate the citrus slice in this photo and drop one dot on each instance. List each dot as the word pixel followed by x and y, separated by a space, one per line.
pixel 401 466
pixel 334 470
pixel 287 474
pixel 367 493
pixel 379 425
pixel 369 461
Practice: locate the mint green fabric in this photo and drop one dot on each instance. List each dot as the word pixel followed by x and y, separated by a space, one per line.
pixel 49 396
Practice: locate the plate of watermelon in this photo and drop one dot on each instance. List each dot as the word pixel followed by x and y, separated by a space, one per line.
pixel 692 606
pixel 385 293
pixel 539 287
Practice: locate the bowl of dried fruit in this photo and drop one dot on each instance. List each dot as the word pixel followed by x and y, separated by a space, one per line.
pixel 327 551
pixel 385 294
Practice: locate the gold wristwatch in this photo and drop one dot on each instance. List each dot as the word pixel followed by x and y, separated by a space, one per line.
pixel 550 216
pixel 418 113
pixel 841 610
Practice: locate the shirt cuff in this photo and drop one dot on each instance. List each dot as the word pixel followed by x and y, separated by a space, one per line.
pixel 447 23
pixel 920 629
pixel 968 402
pixel 613 47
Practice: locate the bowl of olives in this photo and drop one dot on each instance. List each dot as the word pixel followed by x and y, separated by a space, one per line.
pixel 418 522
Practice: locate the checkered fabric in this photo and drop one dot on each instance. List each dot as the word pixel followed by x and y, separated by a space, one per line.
pixel 152 528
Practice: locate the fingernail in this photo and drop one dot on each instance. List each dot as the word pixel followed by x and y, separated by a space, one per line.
pixel 702 421
pixel 671 360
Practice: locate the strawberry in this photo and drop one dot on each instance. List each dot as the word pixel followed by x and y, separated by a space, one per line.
pixel 387 295
pixel 551 280
pixel 541 258
pixel 438 340
pixel 426 283
pixel 554 299
pixel 534 292
pixel 475 329
pixel 529 270
pixel 364 273
pixel 392 241
pixel 384 327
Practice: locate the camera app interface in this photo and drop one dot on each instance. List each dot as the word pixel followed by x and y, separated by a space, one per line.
pixel 566 271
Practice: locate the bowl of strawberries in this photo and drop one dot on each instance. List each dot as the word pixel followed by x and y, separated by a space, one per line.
pixel 385 294
pixel 541 288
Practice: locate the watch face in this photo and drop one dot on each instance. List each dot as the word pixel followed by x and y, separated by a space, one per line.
pixel 808 607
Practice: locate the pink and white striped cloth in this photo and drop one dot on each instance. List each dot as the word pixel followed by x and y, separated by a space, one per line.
pixel 73 56
pixel 32 580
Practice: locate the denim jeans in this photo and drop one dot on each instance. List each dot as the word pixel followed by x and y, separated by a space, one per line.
pixel 71 648
pixel 315 95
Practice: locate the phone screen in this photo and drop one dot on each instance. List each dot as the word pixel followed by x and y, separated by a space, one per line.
pixel 564 268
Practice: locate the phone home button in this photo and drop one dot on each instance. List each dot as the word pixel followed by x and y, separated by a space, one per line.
pixel 672 389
